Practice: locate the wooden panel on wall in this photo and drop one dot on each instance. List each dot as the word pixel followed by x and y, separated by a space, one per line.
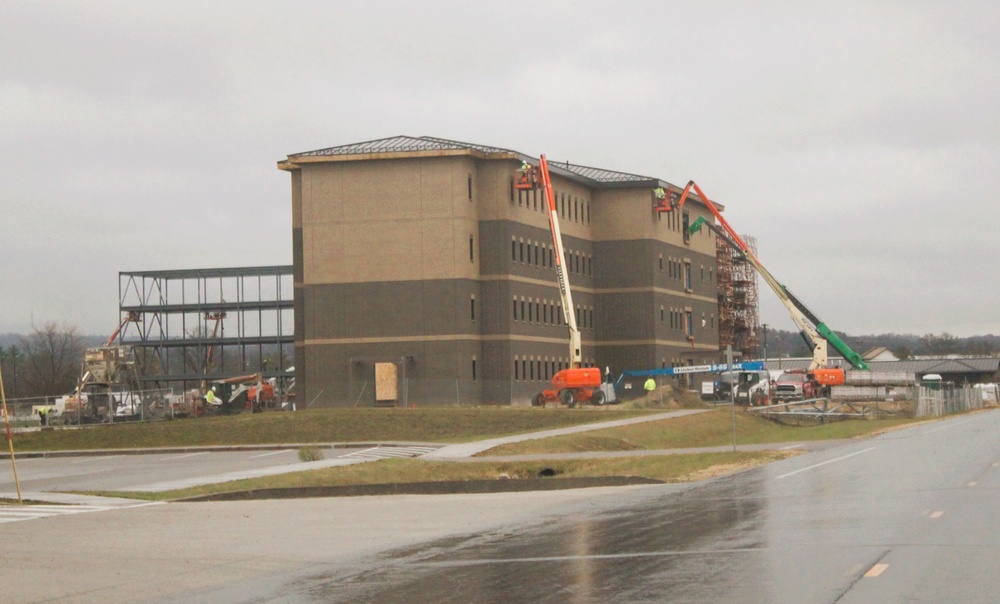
pixel 386 382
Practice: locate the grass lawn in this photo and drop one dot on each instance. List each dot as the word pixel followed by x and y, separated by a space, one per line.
pixel 713 428
pixel 668 468
pixel 449 425
pixel 443 425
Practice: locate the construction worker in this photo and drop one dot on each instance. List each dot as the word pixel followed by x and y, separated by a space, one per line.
pixel 43 415
pixel 210 397
pixel 660 194
pixel 650 385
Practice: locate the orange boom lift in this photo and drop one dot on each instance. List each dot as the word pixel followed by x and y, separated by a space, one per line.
pixel 575 384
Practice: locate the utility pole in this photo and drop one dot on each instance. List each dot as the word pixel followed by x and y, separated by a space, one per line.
pixel 732 389
pixel 764 325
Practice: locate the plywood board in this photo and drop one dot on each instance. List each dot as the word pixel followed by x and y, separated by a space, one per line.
pixel 386 382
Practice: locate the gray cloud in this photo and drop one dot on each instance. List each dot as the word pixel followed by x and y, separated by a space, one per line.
pixel 857 141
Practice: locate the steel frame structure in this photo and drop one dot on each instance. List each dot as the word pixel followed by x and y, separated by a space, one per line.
pixel 184 323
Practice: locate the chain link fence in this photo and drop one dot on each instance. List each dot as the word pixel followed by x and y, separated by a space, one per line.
pixel 942 399
pixel 94 408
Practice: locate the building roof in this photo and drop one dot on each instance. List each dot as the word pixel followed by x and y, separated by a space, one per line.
pixel 402 144
pixel 429 145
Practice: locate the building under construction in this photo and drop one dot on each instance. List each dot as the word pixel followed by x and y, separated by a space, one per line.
pixel 739 317
pixel 188 327
pixel 420 258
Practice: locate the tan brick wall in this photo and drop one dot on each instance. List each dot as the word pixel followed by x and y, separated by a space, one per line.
pixel 392 220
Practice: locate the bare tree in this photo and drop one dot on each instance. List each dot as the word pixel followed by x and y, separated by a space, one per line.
pixel 939 344
pixel 52 358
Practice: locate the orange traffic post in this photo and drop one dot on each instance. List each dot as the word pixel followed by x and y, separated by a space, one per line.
pixel 10 440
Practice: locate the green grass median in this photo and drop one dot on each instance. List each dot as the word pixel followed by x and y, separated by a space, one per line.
pixel 441 425
pixel 709 429
pixel 665 468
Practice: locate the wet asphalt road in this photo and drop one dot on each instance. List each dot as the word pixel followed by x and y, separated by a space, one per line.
pixel 911 516
pixel 144 472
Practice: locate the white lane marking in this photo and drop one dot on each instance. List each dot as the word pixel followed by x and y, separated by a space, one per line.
pixel 91 459
pixel 937 514
pixel 973 483
pixel 951 425
pixel 790 447
pixel 665 553
pixel 996 463
pixel 12 513
pixel 362 452
pixel 271 453
pixel 876 570
pixel 186 455
pixel 841 458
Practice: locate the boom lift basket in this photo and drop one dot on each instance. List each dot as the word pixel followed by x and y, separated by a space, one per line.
pixel 526 179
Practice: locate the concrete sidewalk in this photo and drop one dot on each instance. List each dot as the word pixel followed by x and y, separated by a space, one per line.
pixel 465 450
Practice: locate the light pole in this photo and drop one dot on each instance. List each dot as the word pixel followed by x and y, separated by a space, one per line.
pixel 764 325
pixel 732 389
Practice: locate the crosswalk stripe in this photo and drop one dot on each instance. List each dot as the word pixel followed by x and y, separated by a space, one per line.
pixel 391 452
pixel 12 513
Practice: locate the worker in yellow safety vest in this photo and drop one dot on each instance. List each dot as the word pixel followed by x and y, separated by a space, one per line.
pixel 650 385
pixel 43 415
pixel 210 397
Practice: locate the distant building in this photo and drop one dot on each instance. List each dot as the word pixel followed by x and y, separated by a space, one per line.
pixel 422 275
pixel 968 370
pixel 879 353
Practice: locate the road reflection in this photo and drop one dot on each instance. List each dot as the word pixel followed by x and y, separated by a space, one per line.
pixel 674 546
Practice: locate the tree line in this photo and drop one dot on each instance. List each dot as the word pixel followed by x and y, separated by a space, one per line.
pixel 904 346
pixel 48 361
pixel 45 362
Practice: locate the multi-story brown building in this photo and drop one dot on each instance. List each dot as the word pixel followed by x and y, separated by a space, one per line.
pixel 419 255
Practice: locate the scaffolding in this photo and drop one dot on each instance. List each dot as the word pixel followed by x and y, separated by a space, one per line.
pixel 200 325
pixel 739 314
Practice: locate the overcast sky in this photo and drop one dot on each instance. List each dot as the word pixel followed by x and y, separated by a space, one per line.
pixel 858 142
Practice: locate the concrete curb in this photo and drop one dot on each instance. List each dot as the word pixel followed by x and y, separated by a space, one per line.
pixel 212 448
pixel 451 487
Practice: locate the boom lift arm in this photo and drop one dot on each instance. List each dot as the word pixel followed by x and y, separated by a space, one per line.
pixel 528 179
pixel 813 330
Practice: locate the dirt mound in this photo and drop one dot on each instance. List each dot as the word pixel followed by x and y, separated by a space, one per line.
pixel 666 397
